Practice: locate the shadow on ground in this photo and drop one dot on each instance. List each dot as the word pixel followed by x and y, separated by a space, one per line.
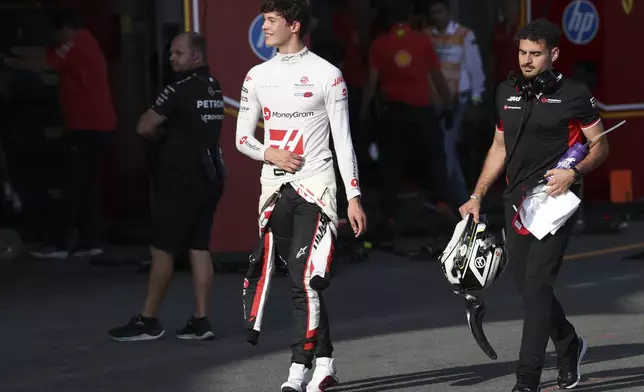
pixel 613 380
pixel 54 324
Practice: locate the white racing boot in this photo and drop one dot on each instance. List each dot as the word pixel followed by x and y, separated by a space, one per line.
pixel 298 377
pixel 325 375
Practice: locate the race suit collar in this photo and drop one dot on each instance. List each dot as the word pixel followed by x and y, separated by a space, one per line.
pixel 293 58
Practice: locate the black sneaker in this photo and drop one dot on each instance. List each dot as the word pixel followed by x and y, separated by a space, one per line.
pixel 137 329
pixel 569 367
pixel 196 329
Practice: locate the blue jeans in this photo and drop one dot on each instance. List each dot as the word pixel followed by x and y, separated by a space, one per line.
pixel 451 139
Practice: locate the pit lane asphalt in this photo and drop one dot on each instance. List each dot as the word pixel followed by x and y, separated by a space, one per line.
pixel 395 325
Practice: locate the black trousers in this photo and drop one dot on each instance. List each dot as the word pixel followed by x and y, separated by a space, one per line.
pixel 535 266
pixel 410 132
pixel 297 225
pixel 81 195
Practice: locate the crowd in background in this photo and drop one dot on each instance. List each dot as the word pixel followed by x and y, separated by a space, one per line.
pixel 350 50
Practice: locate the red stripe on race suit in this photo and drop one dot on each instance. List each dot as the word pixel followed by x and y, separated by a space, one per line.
pixel 262 281
pixel 310 334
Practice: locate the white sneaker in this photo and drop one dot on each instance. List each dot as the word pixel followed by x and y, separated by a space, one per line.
pixel 325 375
pixel 298 377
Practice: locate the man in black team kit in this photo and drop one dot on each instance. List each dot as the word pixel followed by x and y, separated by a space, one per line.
pixel 187 182
pixel 541 114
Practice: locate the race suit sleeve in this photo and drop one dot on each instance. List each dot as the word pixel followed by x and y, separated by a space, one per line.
pixel 585 109
pixel 474 65
pixel 249 111
pixel 337 108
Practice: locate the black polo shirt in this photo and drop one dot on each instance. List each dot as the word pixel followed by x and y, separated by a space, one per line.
pixel 553 123
pixel 194 109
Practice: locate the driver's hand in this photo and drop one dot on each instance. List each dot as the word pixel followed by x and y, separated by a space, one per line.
pixel 357 217
pixel 284 159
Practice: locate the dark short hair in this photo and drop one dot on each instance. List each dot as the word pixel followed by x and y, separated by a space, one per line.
pixel 291 10
pixel 64 17
pixel 540 30
pixel 445 3
pixel 400 11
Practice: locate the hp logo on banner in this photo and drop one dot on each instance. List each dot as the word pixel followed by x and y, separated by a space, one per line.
pixel 257 40
pixel 580 22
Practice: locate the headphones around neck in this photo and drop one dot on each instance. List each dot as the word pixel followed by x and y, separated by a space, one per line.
pixel 544 83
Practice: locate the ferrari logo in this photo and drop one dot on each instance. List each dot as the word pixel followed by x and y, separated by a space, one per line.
pixel 627 5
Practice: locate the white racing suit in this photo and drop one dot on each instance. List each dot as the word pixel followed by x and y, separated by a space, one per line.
pixel 297 222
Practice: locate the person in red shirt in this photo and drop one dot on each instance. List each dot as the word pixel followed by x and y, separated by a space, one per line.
pixel 89 119
pixel 403 62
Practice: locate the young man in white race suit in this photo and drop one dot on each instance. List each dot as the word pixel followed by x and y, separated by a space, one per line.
pixel 303 101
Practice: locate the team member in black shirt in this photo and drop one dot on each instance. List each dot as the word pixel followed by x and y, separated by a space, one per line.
pixel 187 181
pixel 556 112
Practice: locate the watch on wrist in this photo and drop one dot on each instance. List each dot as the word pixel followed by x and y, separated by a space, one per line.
pixel 578 175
